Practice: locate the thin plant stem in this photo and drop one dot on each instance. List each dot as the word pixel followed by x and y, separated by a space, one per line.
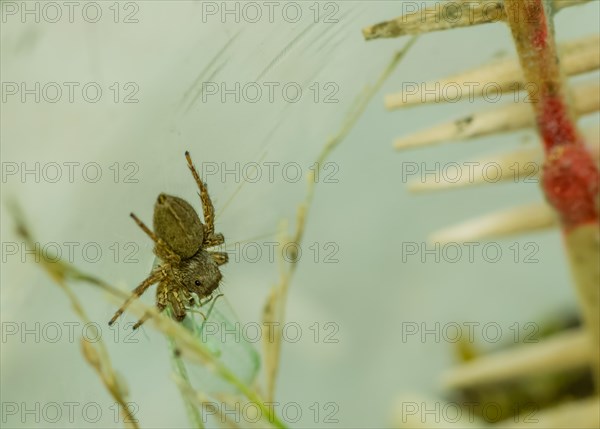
pixel 61 272
pixel 96 355
pixel 275 307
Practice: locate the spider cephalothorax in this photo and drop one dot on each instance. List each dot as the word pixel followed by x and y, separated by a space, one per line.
pixel 181 240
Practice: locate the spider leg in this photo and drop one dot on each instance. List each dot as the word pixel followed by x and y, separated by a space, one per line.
pixel 162 250
pixel 142 225
pixel 213 240
pixel 177 305
pixel 207 205
pixel 161 304
pixel 154 277
pixel 146 316
pixel 186 297
pixel 219 257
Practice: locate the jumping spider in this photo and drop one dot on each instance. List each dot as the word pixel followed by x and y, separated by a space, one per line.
pixel 181 241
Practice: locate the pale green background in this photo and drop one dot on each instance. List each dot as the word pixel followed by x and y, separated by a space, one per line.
pixel 369 213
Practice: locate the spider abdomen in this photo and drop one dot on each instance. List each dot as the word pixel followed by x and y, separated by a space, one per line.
pixel 177 223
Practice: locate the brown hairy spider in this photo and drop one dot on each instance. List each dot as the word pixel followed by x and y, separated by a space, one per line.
pixel 181 240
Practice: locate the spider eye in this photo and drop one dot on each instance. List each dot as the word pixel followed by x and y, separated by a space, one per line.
pixel 197 282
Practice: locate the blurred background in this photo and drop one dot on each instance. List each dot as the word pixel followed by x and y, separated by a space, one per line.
pixel 160 68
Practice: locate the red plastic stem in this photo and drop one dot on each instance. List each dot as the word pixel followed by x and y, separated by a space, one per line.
pixel 570 175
